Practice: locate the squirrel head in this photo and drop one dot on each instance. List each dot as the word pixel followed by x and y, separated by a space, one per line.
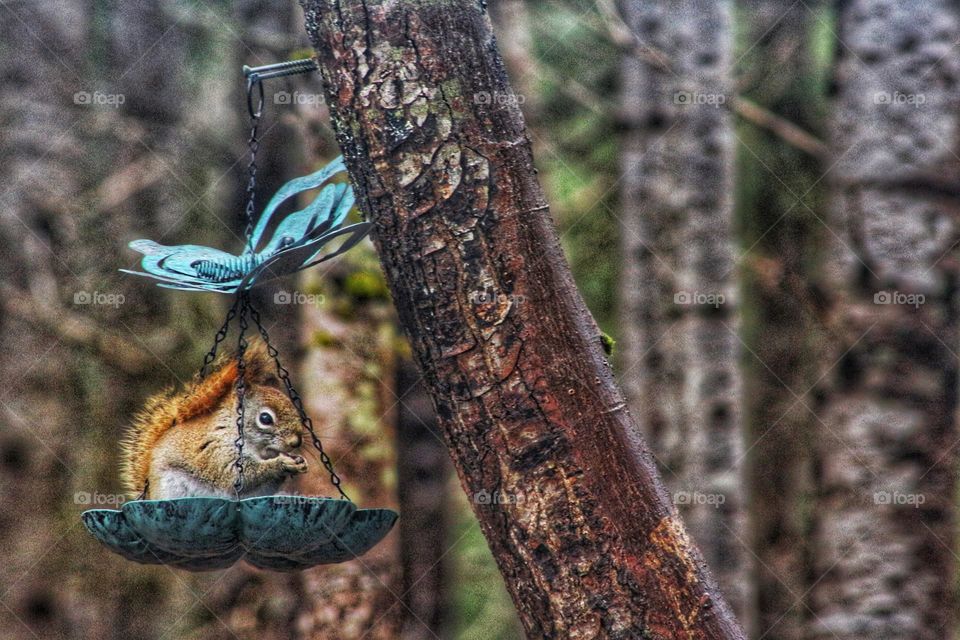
pixel 271 422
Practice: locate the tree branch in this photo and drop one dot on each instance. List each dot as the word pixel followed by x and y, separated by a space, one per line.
pixel 780 127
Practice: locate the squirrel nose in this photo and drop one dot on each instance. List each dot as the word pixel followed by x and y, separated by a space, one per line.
pixel 295 441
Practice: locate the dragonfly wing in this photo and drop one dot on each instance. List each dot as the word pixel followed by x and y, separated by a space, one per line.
pixel 357 233
pixel 290 189
pixel 178 260
pixel 296 226
pixel 186 283
pixel 305 255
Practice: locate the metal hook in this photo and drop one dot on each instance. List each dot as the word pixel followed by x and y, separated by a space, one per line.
pixel 279 69
pixel 256 76
pixel 254 80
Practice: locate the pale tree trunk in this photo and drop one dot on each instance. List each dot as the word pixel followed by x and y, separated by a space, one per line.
pixel 679 300
pixel 776 72
pixel 514 28
pixel 885 510
pixel 577 519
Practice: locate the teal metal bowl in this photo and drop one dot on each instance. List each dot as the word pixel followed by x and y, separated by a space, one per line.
pixel 280 533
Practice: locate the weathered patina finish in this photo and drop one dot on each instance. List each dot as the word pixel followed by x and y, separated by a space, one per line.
pixel 566 492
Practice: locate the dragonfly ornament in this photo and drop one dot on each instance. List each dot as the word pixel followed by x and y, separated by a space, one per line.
pixel 300 240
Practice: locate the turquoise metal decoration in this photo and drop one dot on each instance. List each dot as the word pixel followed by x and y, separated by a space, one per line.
pixel 297 242
pixel 280 533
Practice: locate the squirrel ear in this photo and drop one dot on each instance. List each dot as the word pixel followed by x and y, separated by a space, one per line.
pixel 259 366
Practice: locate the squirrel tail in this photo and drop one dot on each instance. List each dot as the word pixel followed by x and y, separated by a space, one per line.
pixel 163 411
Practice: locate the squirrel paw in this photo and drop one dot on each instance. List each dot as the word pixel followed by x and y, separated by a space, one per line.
pixel 293 464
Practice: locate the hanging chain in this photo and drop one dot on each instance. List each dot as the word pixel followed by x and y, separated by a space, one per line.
pixel 244 300
pixel 253 144
pixel 220 337
pixel 284 375
pixel 241 305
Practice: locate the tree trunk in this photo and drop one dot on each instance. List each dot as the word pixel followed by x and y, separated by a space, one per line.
pixel 679 317
pixel 569 499
pixel 776 72
pixel 349 370
pixel 885 516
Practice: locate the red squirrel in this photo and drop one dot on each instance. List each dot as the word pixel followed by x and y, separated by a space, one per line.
pixel 182 443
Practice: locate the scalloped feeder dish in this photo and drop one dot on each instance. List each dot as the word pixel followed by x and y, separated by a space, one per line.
pixel 280 533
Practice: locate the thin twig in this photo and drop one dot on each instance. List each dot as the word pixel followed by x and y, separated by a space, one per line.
pixel 780 127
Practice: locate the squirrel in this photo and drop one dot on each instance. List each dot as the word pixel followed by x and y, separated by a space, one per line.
pixel 183 444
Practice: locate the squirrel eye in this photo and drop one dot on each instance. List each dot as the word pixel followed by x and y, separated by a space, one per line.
pixel 266 418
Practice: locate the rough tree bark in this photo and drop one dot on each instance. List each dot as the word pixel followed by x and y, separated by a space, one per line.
pixel 776 72
pixel 678 294
pixel 885 511
pixel 583 531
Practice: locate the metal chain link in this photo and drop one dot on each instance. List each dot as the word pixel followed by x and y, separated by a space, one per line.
pixel 244 300
pixel 253 144
pixel 284 375
pixel 220 337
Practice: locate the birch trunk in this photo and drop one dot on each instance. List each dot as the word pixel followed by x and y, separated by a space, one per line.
pixel 678 294
pixel 885 511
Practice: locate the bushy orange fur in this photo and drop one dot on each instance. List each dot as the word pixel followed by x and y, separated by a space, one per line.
pixel 166 409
